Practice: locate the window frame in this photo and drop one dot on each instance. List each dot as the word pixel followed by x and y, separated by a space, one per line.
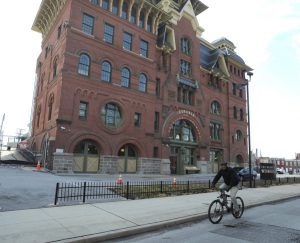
pixel 125 78
pixel 108 35
pixel 144 48
pixel 87 27
pixel 85 110
pixel 143 83
pixel 106 73
pixel 126 42
pixel 82 66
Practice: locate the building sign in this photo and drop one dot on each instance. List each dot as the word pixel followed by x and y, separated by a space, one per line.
pixel 187 112
pixel 267 171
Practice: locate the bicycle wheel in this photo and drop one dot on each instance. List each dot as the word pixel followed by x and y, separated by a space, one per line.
pixel 215 212
pixel 240 204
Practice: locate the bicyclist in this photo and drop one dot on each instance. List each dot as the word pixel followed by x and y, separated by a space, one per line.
pixel 231 182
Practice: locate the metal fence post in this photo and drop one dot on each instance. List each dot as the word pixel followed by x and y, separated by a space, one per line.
pixel 161 187
pixel 208 184
pixel 127 190
pixel 188 186
pixel 56 193
pixel 84 191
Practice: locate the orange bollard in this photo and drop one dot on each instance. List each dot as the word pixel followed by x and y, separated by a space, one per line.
pixel 120 180
pixel 38 166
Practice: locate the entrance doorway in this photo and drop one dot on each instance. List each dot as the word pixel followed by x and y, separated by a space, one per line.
pixel 183 146
pixel 86 157
pixel 215 157
pixel 127 159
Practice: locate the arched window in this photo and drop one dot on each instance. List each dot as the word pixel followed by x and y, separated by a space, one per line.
pixel 111 115
pixel 149 24
pixel 183 130
pixel 133 15
pixel 143 83
pixel 215 108
pixel 50 106
pixel 84 64
pixel 124 10
pixel 185 46
pixel 55 68
pixel 115 7
pixel 106 71
pixel 141 19
pixel 125 77
pixel 238 135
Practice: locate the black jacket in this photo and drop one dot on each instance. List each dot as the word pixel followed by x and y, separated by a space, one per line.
pixel 230 177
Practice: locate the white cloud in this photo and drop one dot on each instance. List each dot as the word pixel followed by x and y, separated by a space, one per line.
pixel 296 45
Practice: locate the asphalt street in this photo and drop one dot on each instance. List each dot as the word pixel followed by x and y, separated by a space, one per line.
pixel 276 223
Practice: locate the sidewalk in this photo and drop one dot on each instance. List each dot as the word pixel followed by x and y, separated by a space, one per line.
pixel 100 221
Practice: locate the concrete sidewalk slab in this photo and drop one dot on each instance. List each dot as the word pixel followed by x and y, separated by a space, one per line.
pixel 100 221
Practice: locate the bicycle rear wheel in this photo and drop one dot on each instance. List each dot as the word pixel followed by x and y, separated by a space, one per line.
pixel 215 212
pixel 240 204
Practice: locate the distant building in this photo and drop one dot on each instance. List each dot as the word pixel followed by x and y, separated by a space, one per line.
pixel 127 86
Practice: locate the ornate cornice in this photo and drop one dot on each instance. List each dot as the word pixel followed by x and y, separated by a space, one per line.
pixel 46 15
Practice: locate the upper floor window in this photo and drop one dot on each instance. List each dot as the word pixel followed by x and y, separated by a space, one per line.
pixel 183 130
pixel 149 24
pixel 215 108
pixel 156 121
pixel 108 33
pixel 55 68
pixel 234 88
pixel 141 19
pixel 50 106
pixel 137 119
pixel 215 131
pixel 144 48
pixel 133 15
pixel 83 107
pixel 185 46
pixel 127 41
pixel 234 112
pixel 105 4
pixel 115 7
pixel 124 14
pixel 84 64
pixel 215 82
pixel 157 87
pixel 241 114
pixel 143 83
pixel 95 2
pixel 185 68
pixel 125 77
pixel 106 71
pixel 185 95
pixel 88 24
pixel 238 135
pixel 111 115
pixel 38 116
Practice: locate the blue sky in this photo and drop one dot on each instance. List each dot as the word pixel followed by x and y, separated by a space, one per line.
pixel 265 32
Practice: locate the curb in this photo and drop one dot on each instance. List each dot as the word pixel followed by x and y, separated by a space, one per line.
pixel 140 229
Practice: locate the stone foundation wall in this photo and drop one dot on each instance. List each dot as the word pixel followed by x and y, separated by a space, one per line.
pixel 62 163
pixel 148 166
pixel 108 164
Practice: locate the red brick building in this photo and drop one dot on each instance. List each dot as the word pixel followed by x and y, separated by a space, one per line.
pixel 131 86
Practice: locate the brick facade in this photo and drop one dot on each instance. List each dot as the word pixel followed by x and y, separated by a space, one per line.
pixel 173 99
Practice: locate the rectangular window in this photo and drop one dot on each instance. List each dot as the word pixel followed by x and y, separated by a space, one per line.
pixel 144 48
pixel 83 107
pixel 137 119
pixel 234 88
pixel 95 2
pixel 155 152
pixel 157 87
pixel 185 68
pixel 127 41
pixel 105 4
pixel 215 131
pixel 58 32
pixel 156 121
pixel 88 24
pixel 108 33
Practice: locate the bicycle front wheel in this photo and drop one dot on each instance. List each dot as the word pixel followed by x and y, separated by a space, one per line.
pixel 240 204
pixel 215 212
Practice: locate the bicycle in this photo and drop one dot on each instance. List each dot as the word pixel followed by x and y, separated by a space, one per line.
pixel 218 207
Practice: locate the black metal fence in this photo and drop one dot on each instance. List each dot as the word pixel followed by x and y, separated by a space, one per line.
pixel 83 191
